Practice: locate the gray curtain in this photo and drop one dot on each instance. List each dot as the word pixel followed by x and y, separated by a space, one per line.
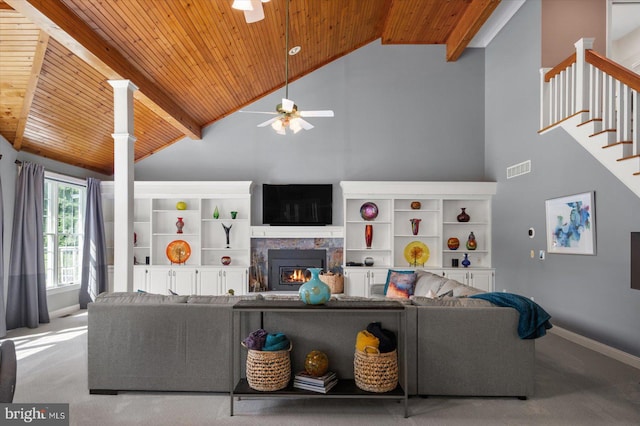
pixel 3 322
pixel 27 292
pixel 94 254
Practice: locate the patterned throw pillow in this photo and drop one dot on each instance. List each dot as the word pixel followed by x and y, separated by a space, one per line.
pixel 401 284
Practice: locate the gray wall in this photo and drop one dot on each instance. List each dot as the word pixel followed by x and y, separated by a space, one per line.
pixel 8 174
pixel 589 295
pixel 402 113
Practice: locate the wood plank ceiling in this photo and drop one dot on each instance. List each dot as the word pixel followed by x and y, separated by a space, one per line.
pixel 194 61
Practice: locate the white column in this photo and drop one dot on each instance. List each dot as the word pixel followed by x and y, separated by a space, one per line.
pixel 582 74
pixel 123 184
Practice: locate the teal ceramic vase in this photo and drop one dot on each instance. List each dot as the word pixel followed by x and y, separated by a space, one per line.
pixel 314 291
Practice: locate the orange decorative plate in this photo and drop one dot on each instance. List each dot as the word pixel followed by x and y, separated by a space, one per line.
pixel 178 251
pixel 416 253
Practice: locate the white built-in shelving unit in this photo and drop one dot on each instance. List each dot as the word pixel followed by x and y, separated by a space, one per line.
pixel 440 204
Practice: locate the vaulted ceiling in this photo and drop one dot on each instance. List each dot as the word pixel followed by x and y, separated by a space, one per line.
pixel 194 61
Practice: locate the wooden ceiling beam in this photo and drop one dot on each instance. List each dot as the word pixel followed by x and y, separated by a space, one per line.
pixel 474 17
pixel 36 67
pixel 67 28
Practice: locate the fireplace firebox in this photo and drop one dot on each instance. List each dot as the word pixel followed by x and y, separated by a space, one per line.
pixel 287 268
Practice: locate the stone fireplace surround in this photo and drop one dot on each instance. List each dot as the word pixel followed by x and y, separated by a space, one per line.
pixel 259 274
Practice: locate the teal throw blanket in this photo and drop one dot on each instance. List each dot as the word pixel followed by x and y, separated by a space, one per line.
pixel 534 321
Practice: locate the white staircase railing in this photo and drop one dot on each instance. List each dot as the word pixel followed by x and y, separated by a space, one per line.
pixel 596 101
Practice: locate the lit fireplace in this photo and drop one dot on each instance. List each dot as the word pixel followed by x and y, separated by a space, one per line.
pixel 288 268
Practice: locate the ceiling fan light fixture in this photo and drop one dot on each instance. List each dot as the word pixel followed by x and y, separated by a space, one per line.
pixel 242 5
pixel 295 125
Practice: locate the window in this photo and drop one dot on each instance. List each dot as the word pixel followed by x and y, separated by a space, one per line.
pixel 63 232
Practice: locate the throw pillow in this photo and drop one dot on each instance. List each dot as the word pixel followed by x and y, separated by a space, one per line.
pixel 401 285
pixel 393 271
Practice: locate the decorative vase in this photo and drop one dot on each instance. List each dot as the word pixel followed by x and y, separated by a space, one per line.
pixel 234 215
pixel 225 260
pixel 369 211
pixel 463 216
pixel 453 243
pixel 368 235
pixel 415 225
pixel 181 205
pixel 227 229
pixel 466 262
pixel 314 291
pixel 415 205
pixel 180 225
pixel 471 242
pixel 216 213
pixel 368 261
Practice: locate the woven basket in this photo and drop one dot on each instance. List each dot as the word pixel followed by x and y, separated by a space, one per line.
pixel 268 370
pixel 376 372
pixel 334 281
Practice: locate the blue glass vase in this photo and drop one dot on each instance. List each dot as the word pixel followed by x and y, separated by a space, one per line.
pixel 466 262
pixel 314 291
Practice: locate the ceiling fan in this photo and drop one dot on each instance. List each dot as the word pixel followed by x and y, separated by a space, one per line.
pixel 252 9
pixel 287 112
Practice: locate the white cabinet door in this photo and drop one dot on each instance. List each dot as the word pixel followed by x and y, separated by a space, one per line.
pixel 460 275
pixel 234 279
pixel 140 275
pixel 209 281
pixel 159 280
pixel 356 282
pixel 482 280
pixel 183 281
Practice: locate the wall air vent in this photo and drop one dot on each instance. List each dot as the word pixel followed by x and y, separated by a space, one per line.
pixel 519 169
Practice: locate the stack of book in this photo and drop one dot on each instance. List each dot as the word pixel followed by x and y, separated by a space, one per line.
pixel 322 384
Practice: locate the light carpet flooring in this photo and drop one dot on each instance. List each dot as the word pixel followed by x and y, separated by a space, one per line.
pixel 574 386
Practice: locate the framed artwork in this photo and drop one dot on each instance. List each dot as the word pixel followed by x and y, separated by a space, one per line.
pixel 571 224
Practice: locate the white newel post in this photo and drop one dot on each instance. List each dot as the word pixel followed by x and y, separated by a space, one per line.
pixel 582 74
pixel 123 184
pixel 545 100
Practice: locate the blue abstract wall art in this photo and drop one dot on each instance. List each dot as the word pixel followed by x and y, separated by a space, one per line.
pixel 571 224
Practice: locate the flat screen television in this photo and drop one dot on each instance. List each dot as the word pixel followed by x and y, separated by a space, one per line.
pixel 297 204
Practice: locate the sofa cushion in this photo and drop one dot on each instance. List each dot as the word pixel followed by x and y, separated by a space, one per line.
pixel 138 297
pixel 400 284
pixel 454 302
pixel 426 281
pixel 465 291
pixel 447 288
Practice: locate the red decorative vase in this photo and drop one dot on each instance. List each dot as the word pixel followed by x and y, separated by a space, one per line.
pixel 415 225
pixel 463 216
pixel 225 260
pixel 180 225
pixel 368 235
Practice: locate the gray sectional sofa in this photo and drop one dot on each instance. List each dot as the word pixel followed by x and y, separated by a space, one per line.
pixel 456 345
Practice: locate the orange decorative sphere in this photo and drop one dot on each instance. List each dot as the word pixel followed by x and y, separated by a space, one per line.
pixel 453 243
pixel 316 363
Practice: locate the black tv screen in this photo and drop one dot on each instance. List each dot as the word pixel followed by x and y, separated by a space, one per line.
pixel 301 204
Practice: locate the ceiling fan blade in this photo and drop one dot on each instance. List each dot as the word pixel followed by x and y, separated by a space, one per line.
pixel 287 105
pixel 325 113
pixel 268 122
pixel 305 124
pixel 260 112
pixel 256 14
